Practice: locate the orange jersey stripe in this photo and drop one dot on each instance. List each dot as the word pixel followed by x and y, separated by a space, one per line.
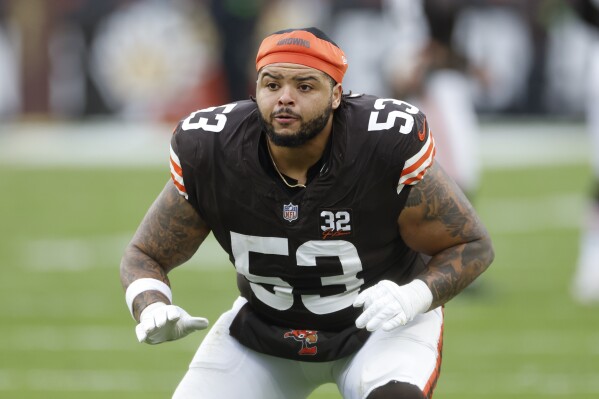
pixel 179 186
pixel 420 175
pixel 176 167
pixel 177 173
pixel 420 161
pixel 415 178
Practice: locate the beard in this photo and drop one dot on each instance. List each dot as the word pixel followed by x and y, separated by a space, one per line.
pixel 306 132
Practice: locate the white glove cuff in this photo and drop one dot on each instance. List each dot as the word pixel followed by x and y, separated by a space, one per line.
pixel 146 284
pixel 423 297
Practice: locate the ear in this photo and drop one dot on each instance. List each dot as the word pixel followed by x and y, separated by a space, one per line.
pixel 337 94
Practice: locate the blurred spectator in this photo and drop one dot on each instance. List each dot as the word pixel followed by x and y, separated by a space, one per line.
pixel 494 36
pixel 134 58
pixel 586 279
pixel 236 21
pixel 9 86
pixel 363 29
pixel 34 21
pixel 568 47
pixel 52 38
pixel 539 18
pixel 436 76
pixel 73 92
pixel 73 58
pixel 152 58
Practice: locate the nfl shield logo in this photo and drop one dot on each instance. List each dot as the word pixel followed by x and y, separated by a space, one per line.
pixel 290 212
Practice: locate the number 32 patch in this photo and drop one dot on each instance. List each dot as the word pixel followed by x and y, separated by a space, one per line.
pixel 335 223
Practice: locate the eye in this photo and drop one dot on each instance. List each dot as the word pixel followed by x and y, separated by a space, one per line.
pixel 304 87
pixel 272 85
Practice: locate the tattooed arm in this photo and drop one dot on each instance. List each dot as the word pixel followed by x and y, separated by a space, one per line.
pixel 439 221
pixel 169 235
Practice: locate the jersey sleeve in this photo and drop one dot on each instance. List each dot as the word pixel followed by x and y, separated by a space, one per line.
pixel 196 148
pixel 175 166
pixel 397 143
pixel 407 139
pixel 187 157
pixel 420 150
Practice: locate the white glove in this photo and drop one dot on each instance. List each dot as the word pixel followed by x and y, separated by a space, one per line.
pixel 160 322
pixel 389 305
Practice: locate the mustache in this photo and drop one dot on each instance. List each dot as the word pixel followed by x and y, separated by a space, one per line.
pixel 285 111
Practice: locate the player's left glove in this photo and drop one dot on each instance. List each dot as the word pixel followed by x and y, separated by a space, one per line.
pixel 160 322
pixel 389 305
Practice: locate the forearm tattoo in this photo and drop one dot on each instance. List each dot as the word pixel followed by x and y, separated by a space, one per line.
pixel 452 269
pixel 169 235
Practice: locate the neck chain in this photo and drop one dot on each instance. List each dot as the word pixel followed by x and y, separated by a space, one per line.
pixel 280 174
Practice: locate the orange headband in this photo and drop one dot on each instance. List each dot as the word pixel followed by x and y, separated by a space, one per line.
pixel 306 46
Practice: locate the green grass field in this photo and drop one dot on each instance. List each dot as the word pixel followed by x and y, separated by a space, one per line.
pixel 65 331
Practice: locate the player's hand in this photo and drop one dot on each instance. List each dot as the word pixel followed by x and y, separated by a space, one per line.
pixel 160 322
pixel 389 305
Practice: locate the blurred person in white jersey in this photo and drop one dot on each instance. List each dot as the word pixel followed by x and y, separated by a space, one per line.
pixel 437 77
pixel 586 279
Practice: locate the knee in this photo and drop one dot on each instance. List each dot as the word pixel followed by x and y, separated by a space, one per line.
pixel 397 390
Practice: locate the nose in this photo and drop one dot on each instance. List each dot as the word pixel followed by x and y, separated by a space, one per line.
pixel 286 96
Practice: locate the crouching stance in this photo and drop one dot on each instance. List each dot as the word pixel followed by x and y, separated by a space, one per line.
pixel 346 236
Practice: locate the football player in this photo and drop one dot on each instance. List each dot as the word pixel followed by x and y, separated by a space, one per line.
pixel 346 236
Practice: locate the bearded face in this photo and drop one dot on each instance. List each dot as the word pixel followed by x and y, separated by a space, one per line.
pixel 306 129
pixel 295 102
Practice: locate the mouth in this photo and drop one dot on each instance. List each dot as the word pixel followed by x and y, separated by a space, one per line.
pixel 285 118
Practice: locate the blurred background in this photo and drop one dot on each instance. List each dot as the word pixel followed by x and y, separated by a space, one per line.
pixel 91 90
pixel 157 60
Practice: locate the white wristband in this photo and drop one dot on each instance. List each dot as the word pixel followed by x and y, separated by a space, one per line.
pixel 146 284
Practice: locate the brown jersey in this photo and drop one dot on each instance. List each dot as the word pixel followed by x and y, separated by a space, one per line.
pixel 303 256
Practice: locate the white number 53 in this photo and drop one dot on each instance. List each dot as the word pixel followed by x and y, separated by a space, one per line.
pixel 281 298
pixel 405 128
pixel 220 119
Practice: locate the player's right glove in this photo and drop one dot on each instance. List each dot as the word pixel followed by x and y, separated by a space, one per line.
pixel 160 322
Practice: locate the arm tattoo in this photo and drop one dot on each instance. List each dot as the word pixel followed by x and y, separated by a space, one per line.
pixel 469 251
pixel 444 202
pixel 169 235
pixel 452 270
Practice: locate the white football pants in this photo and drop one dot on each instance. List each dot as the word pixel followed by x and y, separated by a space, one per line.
pixel 223 368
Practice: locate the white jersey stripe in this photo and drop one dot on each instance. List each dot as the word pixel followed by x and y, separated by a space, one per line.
pixel 415 158
pixel 175 159
pixel 177 173
pixel 425 164
pixel 177 176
